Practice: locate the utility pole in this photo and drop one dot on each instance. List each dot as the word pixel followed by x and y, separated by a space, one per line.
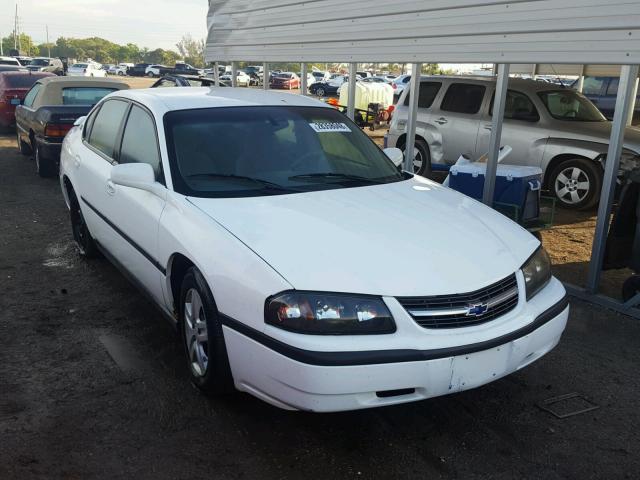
pixel 48 44
pixel 15 29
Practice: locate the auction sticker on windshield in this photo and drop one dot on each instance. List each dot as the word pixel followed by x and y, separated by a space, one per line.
pixel 329 127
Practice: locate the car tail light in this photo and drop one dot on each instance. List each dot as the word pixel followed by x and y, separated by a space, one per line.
pixel 391 109
pixel 57 129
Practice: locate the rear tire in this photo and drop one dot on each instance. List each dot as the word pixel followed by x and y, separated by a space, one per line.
pixel 576 183
pixel 85 243
pixel 45 167
pixel 202 336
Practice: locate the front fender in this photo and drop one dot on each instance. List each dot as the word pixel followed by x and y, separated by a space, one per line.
pixel 566 146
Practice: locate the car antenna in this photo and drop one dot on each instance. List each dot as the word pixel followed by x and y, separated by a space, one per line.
pixel 557 76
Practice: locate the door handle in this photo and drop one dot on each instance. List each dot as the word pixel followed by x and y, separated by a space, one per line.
pixel 488 127
pixel 111 188
pixel 442 121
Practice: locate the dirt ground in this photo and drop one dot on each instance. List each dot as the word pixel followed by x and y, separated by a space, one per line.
pixel 93 385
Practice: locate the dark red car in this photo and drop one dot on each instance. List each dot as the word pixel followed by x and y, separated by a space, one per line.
pixel 14 85
pixel 287 80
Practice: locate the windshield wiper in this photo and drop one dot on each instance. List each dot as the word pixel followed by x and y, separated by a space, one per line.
pixel 264 183
pixel 338 176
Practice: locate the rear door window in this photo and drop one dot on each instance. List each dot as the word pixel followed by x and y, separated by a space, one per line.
pixel 428 92
pixel 31 96
pixel 107 125
pixel 463 98
pixel 612 89
pixel 139 141
pixel 84 95
pixel 593 85
pixel 518 107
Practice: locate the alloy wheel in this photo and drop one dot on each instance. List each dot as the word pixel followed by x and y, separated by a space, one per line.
pixel 195 333
pixel 572 185
pixel 418 161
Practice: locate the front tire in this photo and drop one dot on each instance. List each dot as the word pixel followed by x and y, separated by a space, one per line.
pixel 576 183
pixel 202 335
pixel 45 167
pixel 150 75
pixel 320 92
pixel 421 158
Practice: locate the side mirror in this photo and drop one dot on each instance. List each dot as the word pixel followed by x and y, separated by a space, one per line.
pixel 395 155
pixel 137 175
pixel 79 121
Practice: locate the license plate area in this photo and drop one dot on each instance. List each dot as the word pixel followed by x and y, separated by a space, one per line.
pixel 15 101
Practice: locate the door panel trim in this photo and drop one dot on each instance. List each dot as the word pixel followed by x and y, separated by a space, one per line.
pixel 142 251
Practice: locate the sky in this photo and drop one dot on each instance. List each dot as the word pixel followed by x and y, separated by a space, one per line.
pixel 147 23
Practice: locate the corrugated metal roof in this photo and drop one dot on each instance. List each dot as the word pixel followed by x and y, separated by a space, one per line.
pixel 430 31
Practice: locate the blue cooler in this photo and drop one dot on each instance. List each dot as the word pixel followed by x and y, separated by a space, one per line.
pixel 515 185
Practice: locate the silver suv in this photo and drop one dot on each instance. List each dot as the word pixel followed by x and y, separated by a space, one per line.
pixel 554 128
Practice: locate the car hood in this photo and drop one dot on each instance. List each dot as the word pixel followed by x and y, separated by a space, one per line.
pixel 408 238
pixel 599 132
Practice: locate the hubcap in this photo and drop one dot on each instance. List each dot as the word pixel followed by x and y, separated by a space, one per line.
pixel 417 160
pixel 572 185
pixel 195 333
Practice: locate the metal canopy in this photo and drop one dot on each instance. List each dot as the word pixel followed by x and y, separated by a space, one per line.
pixel 419 31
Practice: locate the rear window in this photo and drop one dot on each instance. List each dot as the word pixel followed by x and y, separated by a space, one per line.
pixel 463 98
pixel 19 81
pixel 428 92
pixel 84 95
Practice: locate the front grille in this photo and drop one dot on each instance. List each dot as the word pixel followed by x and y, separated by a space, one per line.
pixel 464 309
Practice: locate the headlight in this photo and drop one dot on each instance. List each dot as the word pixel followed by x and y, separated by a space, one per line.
pixel 537 272
pixel 329 314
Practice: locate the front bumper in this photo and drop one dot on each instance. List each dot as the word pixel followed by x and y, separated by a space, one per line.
pixel 296 379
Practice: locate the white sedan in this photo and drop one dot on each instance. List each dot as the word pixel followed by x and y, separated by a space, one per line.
pixel 88 69
pixel 242 79
pixel 297 261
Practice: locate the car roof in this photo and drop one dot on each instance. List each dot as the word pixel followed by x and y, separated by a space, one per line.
pixel 83 81
pixel 523 83
pixel 169 99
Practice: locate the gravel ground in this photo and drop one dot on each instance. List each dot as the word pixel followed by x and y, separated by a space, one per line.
pixel 92 385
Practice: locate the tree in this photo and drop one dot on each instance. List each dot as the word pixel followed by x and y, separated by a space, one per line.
pixel 192 51
pixel 25 44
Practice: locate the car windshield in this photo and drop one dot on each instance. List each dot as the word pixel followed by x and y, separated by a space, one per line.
pixel 570 105
pixel 40 62
pixel 253 151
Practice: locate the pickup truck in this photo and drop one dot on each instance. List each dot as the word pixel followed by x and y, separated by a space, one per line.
pixel 178 69
pixel 50 109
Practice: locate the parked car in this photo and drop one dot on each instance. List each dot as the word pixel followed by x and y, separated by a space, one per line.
pixel 285 80
pixel 12 68
pixel 14 85
pixel 46 64
pixel 89 69
pixel 320 76
pixel 138 70
pixel 328 87
pixel 185 81
pixel 49 111
pixel 602 91
pixel 120 69
pixel 242 79
pixel 24 61
pixel 178 69
pixel 258 311
pixel 399 84
pixel 11 61
pixel 376 80
pixel 363 74
pixel 554 128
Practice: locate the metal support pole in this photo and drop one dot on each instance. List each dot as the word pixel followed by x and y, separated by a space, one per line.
pixel 234 73
pixel 580 84
pixel 216 74
pixel 351 104
pixel 624 100
pixel 496 133
pixel 634 98
pixel 414 96
pixel 265 76
pixel 303 80
pixel 534 71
